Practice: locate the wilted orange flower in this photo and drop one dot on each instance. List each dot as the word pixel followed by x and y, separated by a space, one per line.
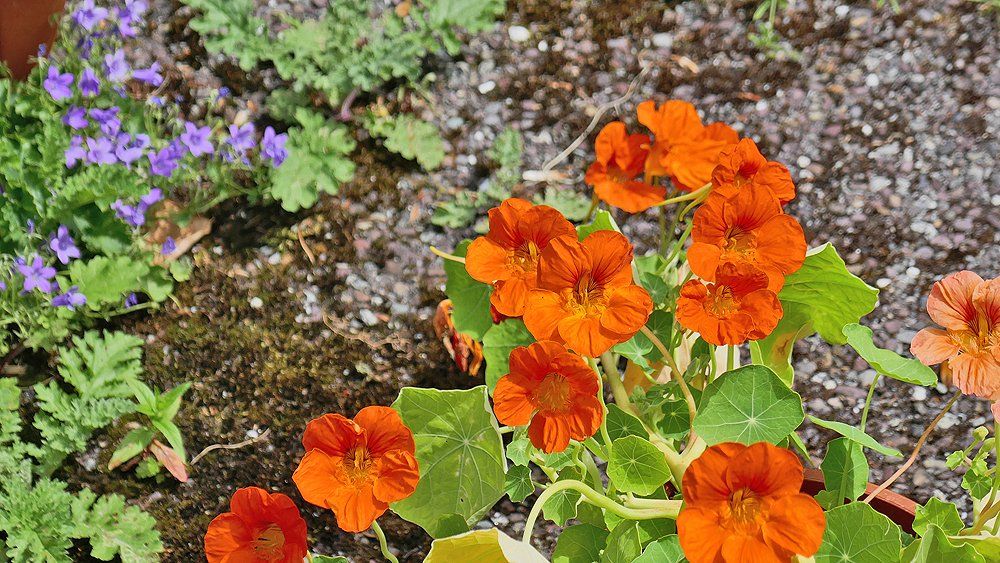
pixel 585 296
pixel 742 503
pixel 620 160
pixel 260 526
pixel 736 308
pixel 743 167
pixel 553 390
pixel 465 350
pixel 683 148
pixel 969 345
pixel 507 256
pixel 357 467
pixel 748 227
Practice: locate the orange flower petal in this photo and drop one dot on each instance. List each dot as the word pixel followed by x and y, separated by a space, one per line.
pixel 512 401
pixel 699 532
pixel 608 139
pixel 950 302
pixel 765 469
pixel 398 476
pixel 631 196
pixel 510 297
pixel 585 418
pixel 739 548
pixel 486 260
pixel 385 429
pixel 703 481
pixel 764 308
pixel 976 374
pixel 933 345
pixel 628 310
pixel 586 336
pixel 549 433
pixel 703 259
pixel 229 539
pixel 543 313
pixel 672 121
pixel 356 508
pixel 318 477
pixel 332 433
pixel 609 255
pixel 562 263
pixel 795 523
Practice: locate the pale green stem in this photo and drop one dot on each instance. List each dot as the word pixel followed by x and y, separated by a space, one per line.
pixel 600 397
pixel 730 358
pixel 382 543
pixel 614 378
pixel 667 508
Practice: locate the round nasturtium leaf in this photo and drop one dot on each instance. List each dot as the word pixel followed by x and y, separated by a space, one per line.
pixel 636 466
pixel 748 405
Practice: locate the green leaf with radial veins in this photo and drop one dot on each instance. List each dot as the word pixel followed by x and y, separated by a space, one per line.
pixel 663 550
pixel 471 298
pixel 747 405
pixel 857 533
pixel 498 341
pixel 621 424
pixel 581 543
pixel 856 435
pixel 845 469
pixel 627 540
pixel 822 296
pixel 460 454
pixel 941 513
pixel 887 362
pixel 937 547
pixel 636 466
pixel 518 484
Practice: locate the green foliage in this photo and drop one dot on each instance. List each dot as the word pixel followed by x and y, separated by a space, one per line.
pixel 663 550
pixel 845 470
pixel 855 435
pixel 581 543
pixel 636 466
pixel 460 455
pixel 518 483
pixel 572 205
pixel 409 137
pixel 747 405
pixel 603 221
pixel 887 362
pixel 627 540
pixel 640 348
pixel 116 529
pixel 317 161
pixel 822 296
pixel 621 424
pixel 856 532
pixel 935 546
pixel 99 371
pixel 471 298
pixel 937 512
pixel 498 341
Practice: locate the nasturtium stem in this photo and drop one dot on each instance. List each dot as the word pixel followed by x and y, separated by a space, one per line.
pixel 600 397
pixel 594 201
pixel 447 256
pixel 664 509
pixel 382 543
pixel 686 197
pixel 678 376
pixel 916 450
pixel 730 358
pixel 614 378
pixel 985 514
pixel 868 401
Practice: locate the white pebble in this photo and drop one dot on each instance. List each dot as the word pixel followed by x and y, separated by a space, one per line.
pixel 487 87
pixel 518 33
pixel 256 303
pixel 883 283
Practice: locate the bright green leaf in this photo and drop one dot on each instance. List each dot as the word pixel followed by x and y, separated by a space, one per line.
pixel 131 445
pixel 856 435
pixel 621 424
pixel 935 547
pixel 747 405
pixel 460 455
pixel 482 546
pixel 411 138
pixel 572 205
pixel 471 298
pixel 627 540
pixel 581 543
pixel 603 221
pixel 636 466
pixel 857 533
pixel 845 469
pixel 940 513
pixel 887 362
pixel 518 483
pixel 663 550
pixel 498 341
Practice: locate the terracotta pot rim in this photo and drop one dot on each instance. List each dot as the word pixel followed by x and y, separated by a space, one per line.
pixel 894 506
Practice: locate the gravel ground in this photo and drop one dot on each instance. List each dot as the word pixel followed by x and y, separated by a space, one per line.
pixel 889 124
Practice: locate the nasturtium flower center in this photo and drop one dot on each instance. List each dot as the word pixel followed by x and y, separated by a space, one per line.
pixel 744 507
pixel 740 242
pixel 587 297
pixel 358 463
pixel 525 257
pixel 553 393
pixel 269 544
pixel 722 302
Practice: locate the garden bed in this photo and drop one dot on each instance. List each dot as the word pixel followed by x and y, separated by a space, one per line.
pixel 906 181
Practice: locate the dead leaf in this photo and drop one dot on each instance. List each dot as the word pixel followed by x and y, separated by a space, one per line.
pixel 184 237
pixel 467 353
pixel 169 458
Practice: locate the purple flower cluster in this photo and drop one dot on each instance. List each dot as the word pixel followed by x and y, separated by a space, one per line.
pixel 135 215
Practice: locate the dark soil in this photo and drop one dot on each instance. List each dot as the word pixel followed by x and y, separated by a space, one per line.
pixel 888 122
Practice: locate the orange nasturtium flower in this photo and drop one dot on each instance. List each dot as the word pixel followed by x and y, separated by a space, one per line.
pixel 552 389
pixel 683 148
pixel 508 255
pixel 357 467
pixel 969 345
pixel 743 167
pixel 620 160
pixel 260 526
pixel 585 296
pixel 736 308
pixel 742 503
pixel 747 227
